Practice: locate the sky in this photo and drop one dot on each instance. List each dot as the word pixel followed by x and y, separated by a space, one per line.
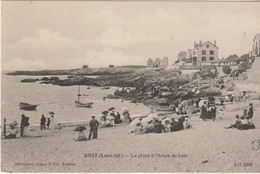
pixel 68 34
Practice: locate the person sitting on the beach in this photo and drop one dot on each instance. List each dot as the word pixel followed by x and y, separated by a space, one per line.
pixel 174 125
pixel 102 120
pixel 180 123
pixel 139 129
pixel 158 127
pixel 212 113
pixel 82 136
pixel 117 119
pixel 168 127
pixel 126 117
pixel 11 133
pixel 186 124
pixel 245 124
pixel 148 127
pixel 58 126
pixel 237 123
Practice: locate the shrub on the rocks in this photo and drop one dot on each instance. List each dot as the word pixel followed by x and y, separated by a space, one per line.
pixel 226 69
pixel 211 92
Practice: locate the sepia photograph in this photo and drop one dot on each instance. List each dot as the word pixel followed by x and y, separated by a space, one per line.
pixel 130 87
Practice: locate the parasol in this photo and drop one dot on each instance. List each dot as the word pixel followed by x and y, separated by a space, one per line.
pixel 110 109
pixel 105 112
pixel 52 113
pixel 80 128
pixel 146 120
pixel 99 116
pixel 164 121
pixel 135 122
pixel 125 109
pixel 203 102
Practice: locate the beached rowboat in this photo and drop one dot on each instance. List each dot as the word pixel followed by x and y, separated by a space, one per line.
pixel 80 104
pixel 27 106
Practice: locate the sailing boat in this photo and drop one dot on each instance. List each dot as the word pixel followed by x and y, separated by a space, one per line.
pixel 80 104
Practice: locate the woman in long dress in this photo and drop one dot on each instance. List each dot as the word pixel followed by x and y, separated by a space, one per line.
pixel 52 124
pixel 203 113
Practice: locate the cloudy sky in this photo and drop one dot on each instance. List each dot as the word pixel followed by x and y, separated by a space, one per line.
pixel 66 34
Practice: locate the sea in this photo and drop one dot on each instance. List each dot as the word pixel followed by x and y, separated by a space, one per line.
pixel 58 99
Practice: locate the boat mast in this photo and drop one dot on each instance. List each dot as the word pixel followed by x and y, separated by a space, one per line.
pixel 78 92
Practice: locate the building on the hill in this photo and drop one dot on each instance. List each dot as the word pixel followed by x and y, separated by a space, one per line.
pixel 202 54
pixel 256 47
pixel 158 63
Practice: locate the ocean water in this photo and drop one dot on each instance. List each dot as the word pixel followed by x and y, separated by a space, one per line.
pixel 60 100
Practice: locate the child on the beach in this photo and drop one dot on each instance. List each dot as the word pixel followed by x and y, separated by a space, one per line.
pixel 82 136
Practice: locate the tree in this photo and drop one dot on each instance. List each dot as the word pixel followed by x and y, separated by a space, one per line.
pixel 244 58
pixel 85 66
pixel 226 69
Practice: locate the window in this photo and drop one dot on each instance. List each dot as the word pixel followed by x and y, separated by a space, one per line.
pixel 207 46
pixel 203 59
pixel 193 52
pixel 211 58
pixel 211 52
pixel 203 52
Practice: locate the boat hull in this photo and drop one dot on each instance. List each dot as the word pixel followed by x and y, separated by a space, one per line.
pixel 28 107
pixel 79 104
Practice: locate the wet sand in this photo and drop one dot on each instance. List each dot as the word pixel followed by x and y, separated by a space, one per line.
pixel 208 147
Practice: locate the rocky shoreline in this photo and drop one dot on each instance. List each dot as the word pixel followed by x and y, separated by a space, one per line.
pixel 156 87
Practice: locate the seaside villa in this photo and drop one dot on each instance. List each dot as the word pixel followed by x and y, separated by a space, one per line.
pixel 202 54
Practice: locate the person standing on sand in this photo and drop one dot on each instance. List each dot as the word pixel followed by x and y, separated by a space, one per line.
pixel 48 122
pixel 250 112
pixel 24 126
pixel 93 128
pixel 52 124
pixel 203 113
pixel 43 121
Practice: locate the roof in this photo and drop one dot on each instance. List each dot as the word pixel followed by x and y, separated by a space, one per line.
pixel 256 36
pixel 149 60
pixel 210 43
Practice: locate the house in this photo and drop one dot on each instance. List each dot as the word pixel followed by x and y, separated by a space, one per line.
pixel 203 53
pixel 256 46
pixel 182 56
pixel 158 63
pixel 150 63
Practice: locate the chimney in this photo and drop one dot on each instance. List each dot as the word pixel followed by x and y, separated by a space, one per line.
pixel 200 42
pixel 215 43
pixel 194 44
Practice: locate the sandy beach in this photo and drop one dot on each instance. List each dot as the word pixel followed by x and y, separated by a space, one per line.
pixel 208 147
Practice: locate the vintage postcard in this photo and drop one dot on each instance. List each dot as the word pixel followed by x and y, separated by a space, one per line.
pixel 120 86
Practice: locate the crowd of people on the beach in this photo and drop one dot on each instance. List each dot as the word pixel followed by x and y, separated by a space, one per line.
pixel 154 123
pixel 12 129
pixel 151 123
pixel 108 118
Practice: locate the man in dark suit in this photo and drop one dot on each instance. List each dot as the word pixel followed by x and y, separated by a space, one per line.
pixel 93 128
pixel 250 112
